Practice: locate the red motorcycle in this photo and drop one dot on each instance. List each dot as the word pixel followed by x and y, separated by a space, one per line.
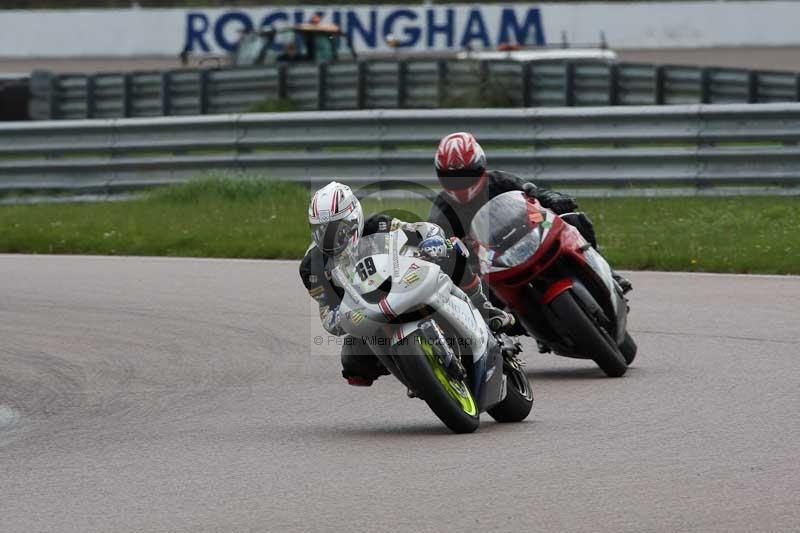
pixel 560 288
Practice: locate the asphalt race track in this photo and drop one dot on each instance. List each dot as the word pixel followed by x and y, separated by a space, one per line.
pixel 189 395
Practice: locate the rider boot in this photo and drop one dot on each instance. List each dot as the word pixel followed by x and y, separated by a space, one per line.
pixel 623 283
pixel 360 367
pixel 497 319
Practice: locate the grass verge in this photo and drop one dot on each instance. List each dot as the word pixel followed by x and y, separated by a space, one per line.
pixel 255 218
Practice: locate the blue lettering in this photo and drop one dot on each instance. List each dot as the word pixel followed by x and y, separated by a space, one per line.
pixel 224 20
pixel 446 28
pixel 509 23
pixel 272 18
pixel 354 25
pixel 336 18
pixel 478 32
pixel 412 34
pixel 196 32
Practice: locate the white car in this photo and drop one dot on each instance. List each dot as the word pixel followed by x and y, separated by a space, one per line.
pixel 542 54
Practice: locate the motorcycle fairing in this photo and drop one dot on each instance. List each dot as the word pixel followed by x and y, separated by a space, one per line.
pixel 418 290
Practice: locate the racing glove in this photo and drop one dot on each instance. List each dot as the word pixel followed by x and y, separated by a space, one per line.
pixel 558 202
pixel 435 247
pixel 330 320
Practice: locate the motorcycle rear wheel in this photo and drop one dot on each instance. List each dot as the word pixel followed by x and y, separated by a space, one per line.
pixel 628 348
pixel 451 400
pixel 587 335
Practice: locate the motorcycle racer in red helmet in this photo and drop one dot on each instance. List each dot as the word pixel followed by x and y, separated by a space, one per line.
pixel 467 185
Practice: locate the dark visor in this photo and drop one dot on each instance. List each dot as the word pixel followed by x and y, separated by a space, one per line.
pixel 458 179
pixel 334 236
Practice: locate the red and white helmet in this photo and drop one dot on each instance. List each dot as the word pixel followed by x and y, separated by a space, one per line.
pixel 461 166
pixel 336 218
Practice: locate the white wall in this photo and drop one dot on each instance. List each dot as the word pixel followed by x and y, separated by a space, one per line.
pixel 138 32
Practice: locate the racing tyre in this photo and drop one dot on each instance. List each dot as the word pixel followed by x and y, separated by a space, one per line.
pixel 588 336
pixel 450 399
pixel 628 348
pixel 518 402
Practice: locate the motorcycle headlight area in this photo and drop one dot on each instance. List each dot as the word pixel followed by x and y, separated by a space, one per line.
pixel 521 251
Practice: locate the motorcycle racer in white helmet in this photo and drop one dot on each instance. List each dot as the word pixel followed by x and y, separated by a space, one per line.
pixel 337 223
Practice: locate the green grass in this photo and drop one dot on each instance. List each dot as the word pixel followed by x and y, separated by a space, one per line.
pixel 210 218
pixel 743 235
pixel 253 218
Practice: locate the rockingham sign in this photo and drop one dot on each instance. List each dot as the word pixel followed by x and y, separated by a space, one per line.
pixel 416 28
pixel 142 32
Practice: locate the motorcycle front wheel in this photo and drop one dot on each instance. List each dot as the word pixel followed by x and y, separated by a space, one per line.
pixel 450 399
pixel 518 402
pixel 588 336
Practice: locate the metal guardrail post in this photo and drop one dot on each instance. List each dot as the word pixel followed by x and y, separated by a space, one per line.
pixel 613 85
pixel 283 85
pixel 204 90
pixel 441 82
pixel 752 87
pixel 483 76
pixel 361 85
pixel 402 77
pixel 322 85
pixel 166 97
pixel 526 66
pixel 42 95
pixel 705 86
pixel 91 96
pixel 127 95
pixel 660 82
pixel 797 87
pixel 569 84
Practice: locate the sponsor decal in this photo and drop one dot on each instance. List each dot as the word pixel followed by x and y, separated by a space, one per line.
pixel 316 291
pixel 485 255
pixel 461 313
pixel 410 278
pixel 313 278
pixel 356 316
pixel 395 256
pixel 535 217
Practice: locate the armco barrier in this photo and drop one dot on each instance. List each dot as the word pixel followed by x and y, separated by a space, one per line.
pixel 696 145
pixel 410 84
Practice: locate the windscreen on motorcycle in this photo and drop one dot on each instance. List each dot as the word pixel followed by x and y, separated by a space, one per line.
pixel 504 233
pixel 374 244
pixel 368 264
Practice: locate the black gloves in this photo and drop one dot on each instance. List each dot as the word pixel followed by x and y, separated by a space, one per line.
pixel 558 202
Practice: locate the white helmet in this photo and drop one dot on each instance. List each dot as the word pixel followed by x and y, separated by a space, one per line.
pixel 336 218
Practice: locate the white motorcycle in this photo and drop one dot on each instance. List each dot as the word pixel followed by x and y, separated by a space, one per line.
pixel 426 332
